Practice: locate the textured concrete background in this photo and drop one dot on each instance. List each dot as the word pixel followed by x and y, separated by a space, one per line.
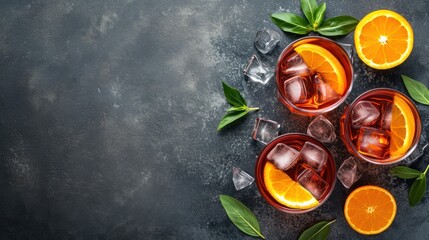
pixel 109 112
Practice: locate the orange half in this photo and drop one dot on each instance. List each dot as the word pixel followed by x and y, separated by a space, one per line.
pixel 326 64
pixel 402 128
pixel 370 209
pixel 383 39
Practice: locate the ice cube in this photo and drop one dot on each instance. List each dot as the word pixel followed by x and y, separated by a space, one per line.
pixel 324 91
pixel 322 129
pixel 265 130
pixel 294 65
pixel 348 48
pixel 298 89
pixel 283 156
pixel 314 183
pixel 418 152
pixel 373 142
pixel 364 113
pixel 266 40
pixel 313 156
pixel 386 115
pixel 348 173
pixel 256 71
pixel 241 178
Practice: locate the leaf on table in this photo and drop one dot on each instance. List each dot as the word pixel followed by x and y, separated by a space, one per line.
pixel 338 26
pixel 417 90
pixel 290 22
pixel 233 96
pixel 309 8
pixel 231 117
pixel 319 231
pixel 241 216
pixel 405 172
pixel 319 15
pixel 417 190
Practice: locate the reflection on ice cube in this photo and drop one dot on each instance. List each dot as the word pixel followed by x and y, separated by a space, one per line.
pixel 348 173
pixel 298 88
pixel 324 91
pixel 386 115
pixel 265 130
pixel 294 66
pixel 313 156
pixel 256 71
pixel 322 129
pixel 364 113
pixel 373 142
pixel 283 156
pixel 241 178
pixel 314 183
pixel 266 40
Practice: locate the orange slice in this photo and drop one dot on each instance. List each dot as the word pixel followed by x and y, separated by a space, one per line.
pixel 402 127
pixel 323 62
pixel 383 39
pixel 370 209
pixel 286 191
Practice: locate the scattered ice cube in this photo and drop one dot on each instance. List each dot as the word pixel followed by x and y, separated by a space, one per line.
pixel 419 151
pixel 348 173
pixel 298 88
pixel 256 71
pixel 373 142
pixel 313 156
pixel 294 65
pixel 324 91
pixel 266 40
pixel 364 113
pixel 314 183
pixel 348 48
pixel 283 156
pixel 241 178
pixel 386 115
pixel 265 130
pixel 322 129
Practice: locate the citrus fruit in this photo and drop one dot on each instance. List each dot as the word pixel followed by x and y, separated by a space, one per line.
pixel 326 64
pixel 287 191
pixel 370 209
pixel 383 39
pixel 402 127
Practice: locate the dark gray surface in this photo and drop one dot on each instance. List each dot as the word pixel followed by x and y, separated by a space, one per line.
pixel 109 112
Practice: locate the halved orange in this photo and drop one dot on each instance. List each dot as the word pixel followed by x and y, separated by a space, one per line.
pixel 383 39
pixel 370 209
pixel 326 64
pixel 287 191
pixel 402 127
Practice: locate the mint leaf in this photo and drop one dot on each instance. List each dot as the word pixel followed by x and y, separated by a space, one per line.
pixel 290 22
pixel 319 231
pixel 338 26
pixel 417 190
pixel 233 96
pixel 308 8
pixel 417 90
pixel 241 216
pixel 405 172
pixel 230 118
pixel 319 14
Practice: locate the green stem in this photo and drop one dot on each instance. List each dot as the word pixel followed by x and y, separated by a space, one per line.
pixel 253 109
pixel 427 167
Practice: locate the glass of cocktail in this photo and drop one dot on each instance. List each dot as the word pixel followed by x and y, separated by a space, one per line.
pixel 295 173
pixel 314 75
pixel 381 126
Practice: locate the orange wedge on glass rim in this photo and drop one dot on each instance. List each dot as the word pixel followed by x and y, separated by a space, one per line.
pixel 383 39
pixel 402 127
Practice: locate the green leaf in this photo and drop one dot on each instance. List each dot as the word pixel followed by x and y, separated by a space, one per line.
pixel 417 190
pixel 233 96
pixel 417 90
pixel 308 8
pixel 319 14
pixel 338 26
pixel 241 216
pixel 231 117
pixel 405 172
pixel 319 231
pixel 290 22
pixel 236 109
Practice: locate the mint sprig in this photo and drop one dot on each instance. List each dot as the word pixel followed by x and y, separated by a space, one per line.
pixel 418 188
pixel 314 14
pixel 239 107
